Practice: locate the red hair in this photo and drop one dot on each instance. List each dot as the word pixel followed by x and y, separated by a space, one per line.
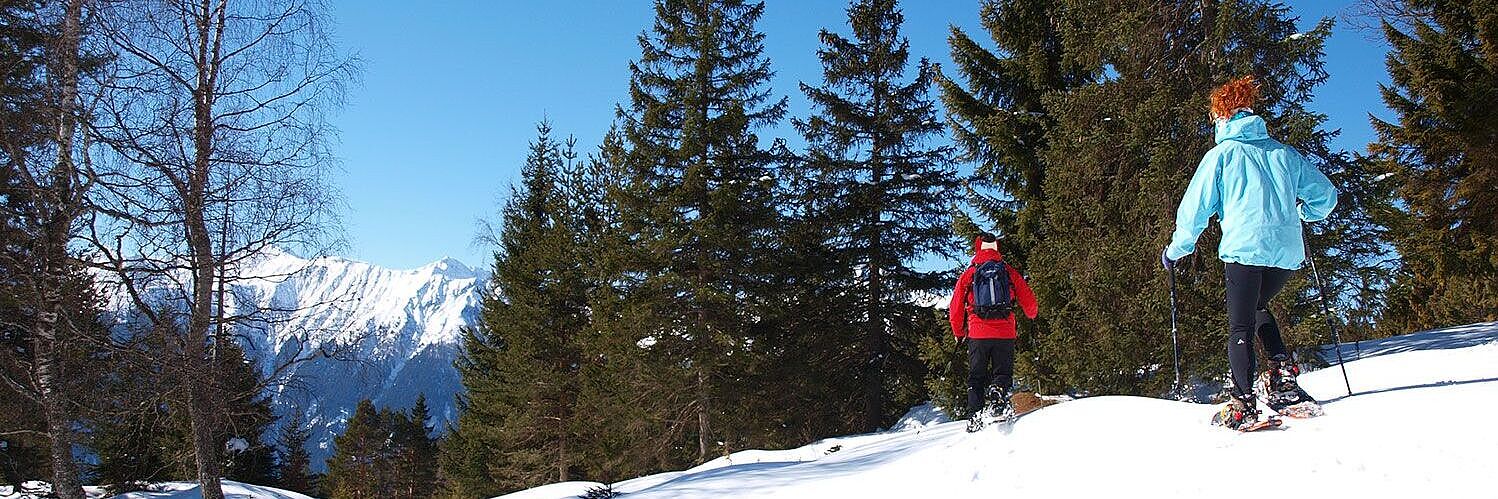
pixel 1231 96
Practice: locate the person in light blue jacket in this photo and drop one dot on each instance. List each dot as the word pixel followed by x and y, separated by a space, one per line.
pixel 1260 191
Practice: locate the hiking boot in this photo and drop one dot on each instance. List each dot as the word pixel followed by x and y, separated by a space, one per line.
pixel 1281 377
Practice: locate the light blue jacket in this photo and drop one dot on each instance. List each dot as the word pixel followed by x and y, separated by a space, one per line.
pixel 1251 183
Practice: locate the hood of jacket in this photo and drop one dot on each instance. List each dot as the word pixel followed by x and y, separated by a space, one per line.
pixel 1244 127
pixel 981 255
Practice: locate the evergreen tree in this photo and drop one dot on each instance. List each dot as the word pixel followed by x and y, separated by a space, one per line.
pixel 354 469
pixel 998 117
pixel 133 433
pixel 293 464
pixel 416 459
pixel 382 453
pixel 1128 90
pixel 519 424
pixel 246 415
pixel 1442 155
pixel 881 196
pixel 699 216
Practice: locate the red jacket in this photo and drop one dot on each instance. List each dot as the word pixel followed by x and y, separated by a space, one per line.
pixel 965 323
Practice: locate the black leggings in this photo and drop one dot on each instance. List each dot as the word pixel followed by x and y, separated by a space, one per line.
pixel 989 362
pixel 1249 288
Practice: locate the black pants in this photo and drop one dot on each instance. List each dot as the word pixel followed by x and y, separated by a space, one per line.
pixel 1249 288
pixel 990 362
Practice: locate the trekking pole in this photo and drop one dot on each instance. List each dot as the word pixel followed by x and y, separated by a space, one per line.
pixel 1331 322
pixel 1175 344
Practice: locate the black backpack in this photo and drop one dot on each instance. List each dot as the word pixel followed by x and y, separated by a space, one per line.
pixel 993 294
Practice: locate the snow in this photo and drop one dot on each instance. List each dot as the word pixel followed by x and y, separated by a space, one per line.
pixel 1419 426
pixel 169 490
pixel 232 490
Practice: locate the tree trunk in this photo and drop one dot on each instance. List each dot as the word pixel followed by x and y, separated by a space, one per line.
pixel 200 405
pixel 876 340
pixel 65 481
pixel 702 428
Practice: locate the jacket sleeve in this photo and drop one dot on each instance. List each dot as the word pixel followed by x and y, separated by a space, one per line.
pixel 1023 294
pixel 1316 191
pixel 957 310
pixel 1203 199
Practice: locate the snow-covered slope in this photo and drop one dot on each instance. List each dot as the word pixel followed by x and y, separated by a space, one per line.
pixel 393 334
pixel 1420 425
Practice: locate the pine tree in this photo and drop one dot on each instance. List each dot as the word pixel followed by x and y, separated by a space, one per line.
pixel 383 453
pixel 698 213
pixel 1443 157
pixel 293 464
pixel 133 432
pixel 881 195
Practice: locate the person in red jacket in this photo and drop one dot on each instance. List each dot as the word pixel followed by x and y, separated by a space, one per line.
pixel 990 340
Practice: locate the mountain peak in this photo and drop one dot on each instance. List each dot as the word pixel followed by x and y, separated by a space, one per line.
pixel 451 267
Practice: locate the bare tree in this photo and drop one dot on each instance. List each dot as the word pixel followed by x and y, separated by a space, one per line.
pixel 44 203
pixel 1369 16
pixel 218 141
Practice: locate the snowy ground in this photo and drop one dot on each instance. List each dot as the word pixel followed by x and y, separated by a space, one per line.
pixel 1421 425
pixel 174 490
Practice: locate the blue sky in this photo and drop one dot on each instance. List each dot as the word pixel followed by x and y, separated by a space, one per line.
pixel 451 91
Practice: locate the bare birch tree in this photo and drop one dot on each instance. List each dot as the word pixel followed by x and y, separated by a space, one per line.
pixel 219 152
pixel 43 205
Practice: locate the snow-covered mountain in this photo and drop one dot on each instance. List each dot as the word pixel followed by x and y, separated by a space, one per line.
pixel 361 331
pixel 1418 425
pixel 398 331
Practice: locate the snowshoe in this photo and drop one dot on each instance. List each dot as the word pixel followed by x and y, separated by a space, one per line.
pixel 1280 391
pixel 996 409
pixel 1242 414
pixel 976 422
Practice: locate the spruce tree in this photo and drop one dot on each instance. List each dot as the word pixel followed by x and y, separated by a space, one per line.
pixel 1442 157
pixel 293 464
pixel 519 426
pixel 698 215
pixel 416 457
pixel 1115 137
pixel 246 415
pixel 998 117
pixel 355 469
pixel 881 195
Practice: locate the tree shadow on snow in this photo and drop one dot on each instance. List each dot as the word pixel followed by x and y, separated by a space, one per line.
pixel 1435 339
pixel 1413 387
